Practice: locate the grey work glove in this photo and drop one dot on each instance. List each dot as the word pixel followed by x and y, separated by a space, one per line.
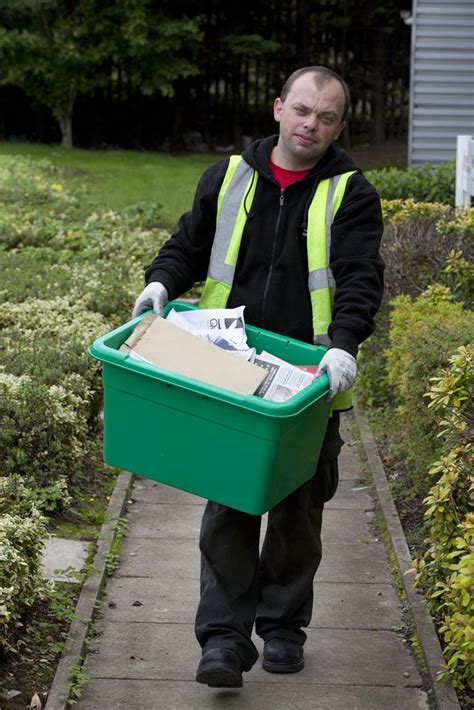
pixel 153 296
pixel 341 368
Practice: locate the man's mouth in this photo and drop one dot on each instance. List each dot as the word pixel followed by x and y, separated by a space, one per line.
pixel 305 140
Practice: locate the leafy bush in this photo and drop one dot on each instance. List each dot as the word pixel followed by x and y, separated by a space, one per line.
pixel 49 338
pixel 423 334
pixel 446 570
pixel 418 237
pixel 422 244
pixel 45 451
pixel 20 575
pixel 426 183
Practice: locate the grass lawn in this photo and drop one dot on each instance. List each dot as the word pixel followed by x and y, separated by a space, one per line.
pixel 119 178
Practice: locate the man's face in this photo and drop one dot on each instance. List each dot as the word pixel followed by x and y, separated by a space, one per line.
pixel 310 120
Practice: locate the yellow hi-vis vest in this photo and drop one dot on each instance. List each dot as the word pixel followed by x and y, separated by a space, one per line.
pixel 239 186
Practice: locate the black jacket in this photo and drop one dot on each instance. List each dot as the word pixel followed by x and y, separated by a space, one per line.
pixel 271 276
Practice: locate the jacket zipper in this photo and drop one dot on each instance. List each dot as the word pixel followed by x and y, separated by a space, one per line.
pixel 275 240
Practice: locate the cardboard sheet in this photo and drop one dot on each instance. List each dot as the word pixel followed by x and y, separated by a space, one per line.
pixel 171 348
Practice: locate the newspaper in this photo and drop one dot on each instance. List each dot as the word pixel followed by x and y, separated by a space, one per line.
pixel 224 327
pixel 283 380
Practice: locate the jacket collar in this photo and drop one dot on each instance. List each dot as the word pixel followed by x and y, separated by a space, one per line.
pixel 334 162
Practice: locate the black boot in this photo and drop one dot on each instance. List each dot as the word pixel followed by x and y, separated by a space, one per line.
pixel 220 668
pixel 282 656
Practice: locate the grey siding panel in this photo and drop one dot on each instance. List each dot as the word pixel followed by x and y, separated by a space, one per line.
pixel 435 156
pixel 442 78
pixel 425 101
pixel 428 34
pixel 444 22
pixel 441 111
pixel 454 9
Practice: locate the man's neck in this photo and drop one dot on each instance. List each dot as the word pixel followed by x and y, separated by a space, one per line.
pixel 280 158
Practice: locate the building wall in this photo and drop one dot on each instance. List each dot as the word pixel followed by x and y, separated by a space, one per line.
pixel 441 79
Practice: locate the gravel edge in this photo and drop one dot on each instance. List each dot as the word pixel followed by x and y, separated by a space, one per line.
pixel 74 648
pixel 444 694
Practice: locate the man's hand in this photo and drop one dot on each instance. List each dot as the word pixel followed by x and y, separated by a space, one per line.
pixel 153 296
pixel 341 368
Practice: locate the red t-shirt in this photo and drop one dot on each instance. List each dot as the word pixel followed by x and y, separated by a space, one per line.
pixel 286 177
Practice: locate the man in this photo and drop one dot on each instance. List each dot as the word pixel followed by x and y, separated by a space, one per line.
pixel 291 229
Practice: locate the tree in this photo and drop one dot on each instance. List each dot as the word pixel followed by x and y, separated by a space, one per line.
pixel 56 49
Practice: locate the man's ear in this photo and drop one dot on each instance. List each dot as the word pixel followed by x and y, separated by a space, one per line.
pixel 341 128
pixel 277 107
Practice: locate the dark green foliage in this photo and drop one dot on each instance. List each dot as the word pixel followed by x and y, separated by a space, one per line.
pixel 427 183
pixel 423 335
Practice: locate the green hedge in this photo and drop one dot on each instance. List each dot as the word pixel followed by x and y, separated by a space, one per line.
pixel 446 570
pixel 422 244
pixel 20 575
pixel 426 183
pixel 421 325
pixel 423 335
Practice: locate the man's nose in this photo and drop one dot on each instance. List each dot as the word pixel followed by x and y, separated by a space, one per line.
pixel 311 122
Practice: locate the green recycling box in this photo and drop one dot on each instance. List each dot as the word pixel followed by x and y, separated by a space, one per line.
pixel 242 451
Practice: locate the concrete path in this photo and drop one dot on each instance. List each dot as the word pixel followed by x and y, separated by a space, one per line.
pixel 145 654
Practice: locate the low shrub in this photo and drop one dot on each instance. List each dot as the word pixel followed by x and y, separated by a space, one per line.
pixel 422 244
pixel 49 338
pixel 446 570
pixel 418 238
pixel 425 183
pixel 36 182
pixel 20 574
pixel 44 451
pixel 423 334
pixel 99 286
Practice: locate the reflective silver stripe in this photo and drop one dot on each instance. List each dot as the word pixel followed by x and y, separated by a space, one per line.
pixel 233 196
pixel 330 198
pixel 320 278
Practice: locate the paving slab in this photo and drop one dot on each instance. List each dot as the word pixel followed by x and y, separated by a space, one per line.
pixel 147 491
pixel 170 652
pixel 354 562
pixel 342 561
pixel 172 600
pixel 155 557
pixel 370 606
pixel 162 520
pixel 187 695
pixel 166 521
pixel 353 494
pixel 61 554
pixel 349 467
pixel 347 526
pixel 156 599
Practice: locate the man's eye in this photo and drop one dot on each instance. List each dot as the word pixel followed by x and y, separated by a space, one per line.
pixel 299 110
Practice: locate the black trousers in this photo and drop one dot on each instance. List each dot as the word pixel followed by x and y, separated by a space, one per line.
pixel 273 588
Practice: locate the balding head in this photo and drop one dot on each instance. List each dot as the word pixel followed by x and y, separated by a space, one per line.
pixel 322 76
